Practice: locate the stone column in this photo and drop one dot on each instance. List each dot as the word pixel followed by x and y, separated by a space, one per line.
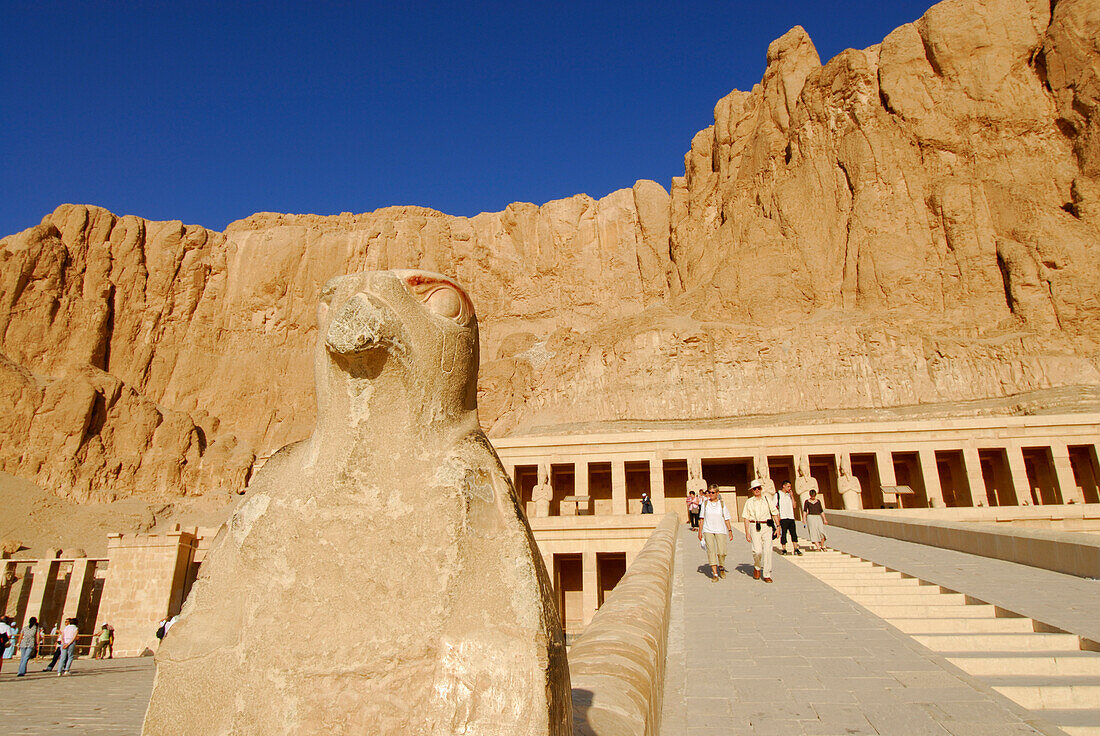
pixel 79 578
pixel 885 461
pixel 41 575
pixel 548 563
pixel 580 484
pixel 1063 471
pixel 657 484
pixel 695 480
pixel 618 487
pixel 10 588
pixel 847 484
pixel 1019 474
pixel 590 592
pixel 972 462
pixel 763 472
pixel 931 473
pixel 580 477
pixel 805 482
pixel 543 492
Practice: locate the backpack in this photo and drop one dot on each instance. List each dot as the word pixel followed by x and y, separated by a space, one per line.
pixel 160 630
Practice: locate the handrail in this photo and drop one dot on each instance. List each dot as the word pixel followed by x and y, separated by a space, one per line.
pixel 617 665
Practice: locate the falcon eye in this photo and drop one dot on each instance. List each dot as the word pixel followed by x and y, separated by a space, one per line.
pixel 439 294
pixel 445 302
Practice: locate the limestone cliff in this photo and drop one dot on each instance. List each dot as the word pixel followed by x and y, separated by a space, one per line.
pixel 915 222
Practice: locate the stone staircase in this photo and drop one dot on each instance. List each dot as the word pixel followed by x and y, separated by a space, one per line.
pixel 1050 672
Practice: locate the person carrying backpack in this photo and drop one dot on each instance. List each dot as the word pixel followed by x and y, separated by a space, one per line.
pixel 715 531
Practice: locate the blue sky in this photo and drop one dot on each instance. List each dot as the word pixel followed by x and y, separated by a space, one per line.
pixel 208 112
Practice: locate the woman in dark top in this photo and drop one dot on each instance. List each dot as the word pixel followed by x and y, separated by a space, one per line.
pixel 813 511
pixel 28 644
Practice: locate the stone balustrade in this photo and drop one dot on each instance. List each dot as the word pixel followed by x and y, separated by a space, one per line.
pixel 617 665
pixel 1073 553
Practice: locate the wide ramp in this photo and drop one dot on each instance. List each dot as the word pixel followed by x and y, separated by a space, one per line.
pixel 798 657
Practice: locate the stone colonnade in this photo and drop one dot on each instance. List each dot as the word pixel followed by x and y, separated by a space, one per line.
pixel 1002 461
pixel 52 590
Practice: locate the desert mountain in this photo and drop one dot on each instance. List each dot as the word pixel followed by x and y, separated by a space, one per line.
pixel 914 223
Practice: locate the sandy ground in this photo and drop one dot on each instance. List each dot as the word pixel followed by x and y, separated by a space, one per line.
pixel 41 521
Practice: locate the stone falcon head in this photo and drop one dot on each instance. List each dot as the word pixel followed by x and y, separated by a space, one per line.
pixel 396 342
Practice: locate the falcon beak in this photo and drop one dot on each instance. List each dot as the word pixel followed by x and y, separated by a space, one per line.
pixel 361 324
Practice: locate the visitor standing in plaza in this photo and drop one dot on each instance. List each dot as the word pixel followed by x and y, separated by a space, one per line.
pixel 6 635
pixel 757 513
pixel 785 505
pixel 693 510
pixel 13 634
pixel 28 644
pixel 813 511
pixel 101 643
pixel 56 651
pixel 715 531
pixel 67 642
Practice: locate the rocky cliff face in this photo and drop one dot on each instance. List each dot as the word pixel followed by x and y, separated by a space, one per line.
pixel 915 222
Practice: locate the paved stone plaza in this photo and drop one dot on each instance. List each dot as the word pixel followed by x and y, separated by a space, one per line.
pixel 99 698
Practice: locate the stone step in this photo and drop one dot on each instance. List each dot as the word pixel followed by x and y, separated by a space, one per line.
pixel 1043 696
pixel 870 572
pixel 838 565
pixel 964 625
pixel 856 576
pixel 932 610
pixel 1064 664
pixel 908 599
pixel 999 642
pixel 887 586
pixel 1077 722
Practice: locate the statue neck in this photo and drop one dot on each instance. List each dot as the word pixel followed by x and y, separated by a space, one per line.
pixel 384 413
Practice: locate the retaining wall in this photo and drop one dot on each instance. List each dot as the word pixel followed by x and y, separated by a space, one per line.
pixel 617 666
pixel 1073 553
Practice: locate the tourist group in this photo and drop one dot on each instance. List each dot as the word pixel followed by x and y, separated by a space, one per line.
pixel 765 518
pixel 30 642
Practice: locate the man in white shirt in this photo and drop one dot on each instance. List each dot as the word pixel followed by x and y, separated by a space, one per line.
pixel 785 503
pixel 714 529
pixel 757 512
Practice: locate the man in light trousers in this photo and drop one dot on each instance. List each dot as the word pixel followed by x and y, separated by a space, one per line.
pixel 757 512
pixel 714 528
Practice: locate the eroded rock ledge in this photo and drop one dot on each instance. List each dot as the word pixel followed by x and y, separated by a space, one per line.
pixel 915 222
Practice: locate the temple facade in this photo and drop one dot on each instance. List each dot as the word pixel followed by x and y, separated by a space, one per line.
pixel 583 497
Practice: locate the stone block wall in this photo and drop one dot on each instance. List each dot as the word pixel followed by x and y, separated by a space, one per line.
pixel 617 666
pixel 146 584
